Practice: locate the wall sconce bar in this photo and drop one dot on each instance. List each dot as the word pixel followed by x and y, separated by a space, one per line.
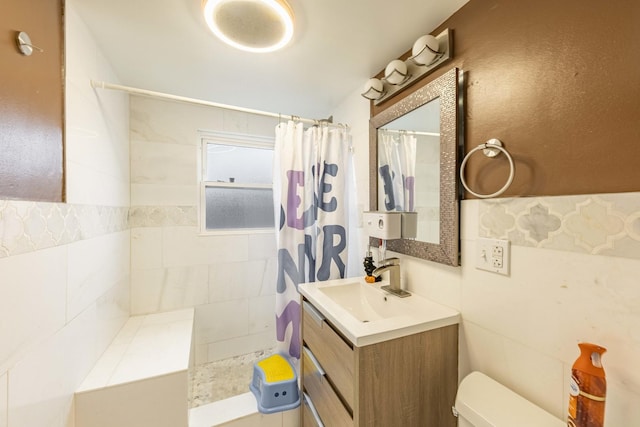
pixel 401 74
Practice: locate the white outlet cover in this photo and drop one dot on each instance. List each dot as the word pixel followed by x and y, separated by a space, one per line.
pixel 487 250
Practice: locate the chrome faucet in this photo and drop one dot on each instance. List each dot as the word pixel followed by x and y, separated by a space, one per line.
pixel 392 265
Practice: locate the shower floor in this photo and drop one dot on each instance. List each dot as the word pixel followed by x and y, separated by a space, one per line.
pixel 222 379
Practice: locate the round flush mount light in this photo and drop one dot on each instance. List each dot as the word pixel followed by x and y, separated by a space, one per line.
pixel 250 25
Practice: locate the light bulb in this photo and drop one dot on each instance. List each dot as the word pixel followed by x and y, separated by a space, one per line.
pixel 373 89
pixel 396 72
pixel 425 50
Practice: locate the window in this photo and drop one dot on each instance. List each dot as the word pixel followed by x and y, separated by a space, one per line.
pixel 236 190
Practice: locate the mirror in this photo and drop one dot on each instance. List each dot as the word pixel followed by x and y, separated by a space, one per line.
pixel 409 168
pixel 413 168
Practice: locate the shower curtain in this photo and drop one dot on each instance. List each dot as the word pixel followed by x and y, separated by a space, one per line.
pixel 314 201
pixel 397 169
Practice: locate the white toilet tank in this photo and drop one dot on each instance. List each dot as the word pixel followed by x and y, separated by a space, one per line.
pixel 483 402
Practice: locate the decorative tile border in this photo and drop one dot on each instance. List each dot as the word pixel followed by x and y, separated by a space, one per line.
pixel 159 216
pixel 602 224
pixel 30 226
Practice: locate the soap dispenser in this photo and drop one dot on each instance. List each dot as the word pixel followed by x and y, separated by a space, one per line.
pixel 587 388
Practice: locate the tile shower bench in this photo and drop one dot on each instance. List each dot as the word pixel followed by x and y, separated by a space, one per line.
pixel 142 379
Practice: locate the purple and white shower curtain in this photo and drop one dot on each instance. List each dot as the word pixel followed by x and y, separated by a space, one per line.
pixel 314 199
pixel 397 170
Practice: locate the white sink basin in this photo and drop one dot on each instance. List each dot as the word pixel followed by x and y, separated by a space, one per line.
pixel 365 314
pixel 366 303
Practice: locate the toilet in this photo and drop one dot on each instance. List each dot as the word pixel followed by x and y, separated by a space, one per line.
pixel 483 402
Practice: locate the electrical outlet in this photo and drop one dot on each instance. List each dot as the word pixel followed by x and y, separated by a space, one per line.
pixel 493 255
pixel 497 251
pixel 497 262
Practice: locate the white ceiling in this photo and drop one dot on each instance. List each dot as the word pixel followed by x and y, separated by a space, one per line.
pixel 165 45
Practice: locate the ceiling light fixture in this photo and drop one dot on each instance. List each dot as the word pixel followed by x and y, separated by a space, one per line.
pixel 250 25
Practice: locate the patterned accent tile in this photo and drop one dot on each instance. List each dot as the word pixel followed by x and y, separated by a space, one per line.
pixel 594 225
pixel 605 224
pixel 538 223
pixel 497 220
pixel 30 226
pixel 163 216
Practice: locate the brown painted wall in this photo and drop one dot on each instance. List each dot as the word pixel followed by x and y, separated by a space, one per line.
pixel 559 83
pixel 31 102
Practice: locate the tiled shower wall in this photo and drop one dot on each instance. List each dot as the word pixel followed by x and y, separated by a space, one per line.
pixel 229 279
pixel 64 268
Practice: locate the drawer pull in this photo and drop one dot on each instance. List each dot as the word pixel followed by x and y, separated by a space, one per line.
pixel 313 360
pixel 314 412
pixel 313 312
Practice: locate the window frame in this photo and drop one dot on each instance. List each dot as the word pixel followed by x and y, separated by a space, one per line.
pixel 232 139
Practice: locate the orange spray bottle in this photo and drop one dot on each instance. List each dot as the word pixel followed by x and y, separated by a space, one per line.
pixel 587 388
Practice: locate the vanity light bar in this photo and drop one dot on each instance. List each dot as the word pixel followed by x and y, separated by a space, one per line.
pixel 401 74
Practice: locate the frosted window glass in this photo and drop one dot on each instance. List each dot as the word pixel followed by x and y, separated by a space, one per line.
pixel 239 208
pixel 228 163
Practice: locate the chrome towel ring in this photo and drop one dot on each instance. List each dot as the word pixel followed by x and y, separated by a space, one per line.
pixel 491 148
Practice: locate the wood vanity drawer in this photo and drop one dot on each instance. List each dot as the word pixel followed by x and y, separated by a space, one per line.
pixel 309 419
pixel 335 356
pixel 325 400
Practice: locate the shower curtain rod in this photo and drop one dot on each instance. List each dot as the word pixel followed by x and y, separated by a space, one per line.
pixel 144 92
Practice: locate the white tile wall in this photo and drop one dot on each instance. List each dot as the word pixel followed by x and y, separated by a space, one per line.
pixel 221 321
pixel 96 138
pixel 169 289
pixel 239 345
pixel 3 400
pixel 226 278
pixel 229 279
pixel 182 246
pixel 64 268
pixel 163 194
pixel 234 280
pixel 163 163
pixel 516 365
pixel 261 315
pixel 91 276
pixel 146 248
pixel 42 383
pixel 33 297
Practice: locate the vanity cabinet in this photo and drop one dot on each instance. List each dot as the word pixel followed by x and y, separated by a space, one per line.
pixel 407 381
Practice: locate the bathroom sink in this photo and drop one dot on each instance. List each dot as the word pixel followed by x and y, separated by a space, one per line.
pixel 365 303
pixel 366 314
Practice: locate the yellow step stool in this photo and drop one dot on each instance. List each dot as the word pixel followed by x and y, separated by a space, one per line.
pixel 275 384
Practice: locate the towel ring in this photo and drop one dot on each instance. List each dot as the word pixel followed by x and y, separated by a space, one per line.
pixel 491 148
